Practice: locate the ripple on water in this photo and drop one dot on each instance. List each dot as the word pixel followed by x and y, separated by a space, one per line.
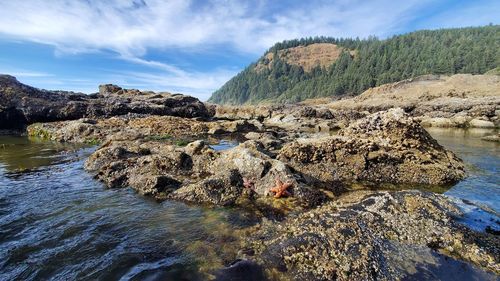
pixel 57 222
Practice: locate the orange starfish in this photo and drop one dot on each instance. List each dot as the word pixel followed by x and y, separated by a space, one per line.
pixel 280 189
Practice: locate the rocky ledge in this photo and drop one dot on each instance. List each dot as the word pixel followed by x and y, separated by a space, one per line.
pixel 462 100
pixel 21 105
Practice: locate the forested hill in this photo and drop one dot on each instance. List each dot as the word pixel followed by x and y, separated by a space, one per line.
pixel 295 70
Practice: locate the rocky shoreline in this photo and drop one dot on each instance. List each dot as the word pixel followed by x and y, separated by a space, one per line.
pixel 299 166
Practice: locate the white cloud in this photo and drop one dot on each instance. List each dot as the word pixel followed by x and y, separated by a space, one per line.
pixel 24 73
pixel 130 28
pixel 199 84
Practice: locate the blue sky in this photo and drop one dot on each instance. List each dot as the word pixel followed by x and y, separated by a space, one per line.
pixel 192 47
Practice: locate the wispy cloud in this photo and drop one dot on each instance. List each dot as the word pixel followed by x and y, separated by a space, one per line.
pixel 200 84
pixel 131 27
pixel 24 73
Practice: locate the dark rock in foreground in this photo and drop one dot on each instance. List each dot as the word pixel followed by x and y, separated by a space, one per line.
pixel 373 236
pixel 21 105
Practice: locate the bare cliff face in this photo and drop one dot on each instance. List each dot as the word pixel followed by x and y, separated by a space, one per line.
pixel 21 105
pixel 307 57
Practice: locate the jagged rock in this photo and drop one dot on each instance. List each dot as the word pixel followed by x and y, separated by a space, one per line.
pixel 371 236
pixel 150 167
pixel 253 164
pixel 222 189
pixel 195 173
pixel 385 147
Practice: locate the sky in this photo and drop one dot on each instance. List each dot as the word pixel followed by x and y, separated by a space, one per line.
pixel 192 47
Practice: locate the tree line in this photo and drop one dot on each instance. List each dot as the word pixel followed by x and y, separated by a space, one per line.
pixel 374 62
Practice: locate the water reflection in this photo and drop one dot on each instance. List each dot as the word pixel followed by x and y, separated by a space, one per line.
pixel 19 153
pixel 479 194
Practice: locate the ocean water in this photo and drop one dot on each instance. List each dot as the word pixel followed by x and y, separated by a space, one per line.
pixel 58 223
pixel 479 194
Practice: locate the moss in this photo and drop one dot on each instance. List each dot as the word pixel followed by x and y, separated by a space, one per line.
pixel 36 130
pixel 93 141
pixel 181 142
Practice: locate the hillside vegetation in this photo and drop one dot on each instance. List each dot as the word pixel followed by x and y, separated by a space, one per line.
pixel 296 70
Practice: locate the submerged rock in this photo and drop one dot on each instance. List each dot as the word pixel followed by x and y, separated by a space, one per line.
pixel 493 138
pixel 368 236
pixel 385 147
pixel 241 270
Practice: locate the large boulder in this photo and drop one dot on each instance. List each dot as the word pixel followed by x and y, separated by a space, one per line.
pixel 385 147
pixel 152 168
pixel 21 104
pixel 373 236
pixel 196 173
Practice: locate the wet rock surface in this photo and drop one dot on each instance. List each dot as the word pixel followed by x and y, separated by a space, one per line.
pixel 21 105
pixel 152 155
pixel 195 173
pixel 133 126
pixel 370 236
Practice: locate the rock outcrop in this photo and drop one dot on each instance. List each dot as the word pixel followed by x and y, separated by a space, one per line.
pixel 195 173
pixel 86 130
pixel 385 147
pixel 21 105
pixel 461 100
pixel 372 236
